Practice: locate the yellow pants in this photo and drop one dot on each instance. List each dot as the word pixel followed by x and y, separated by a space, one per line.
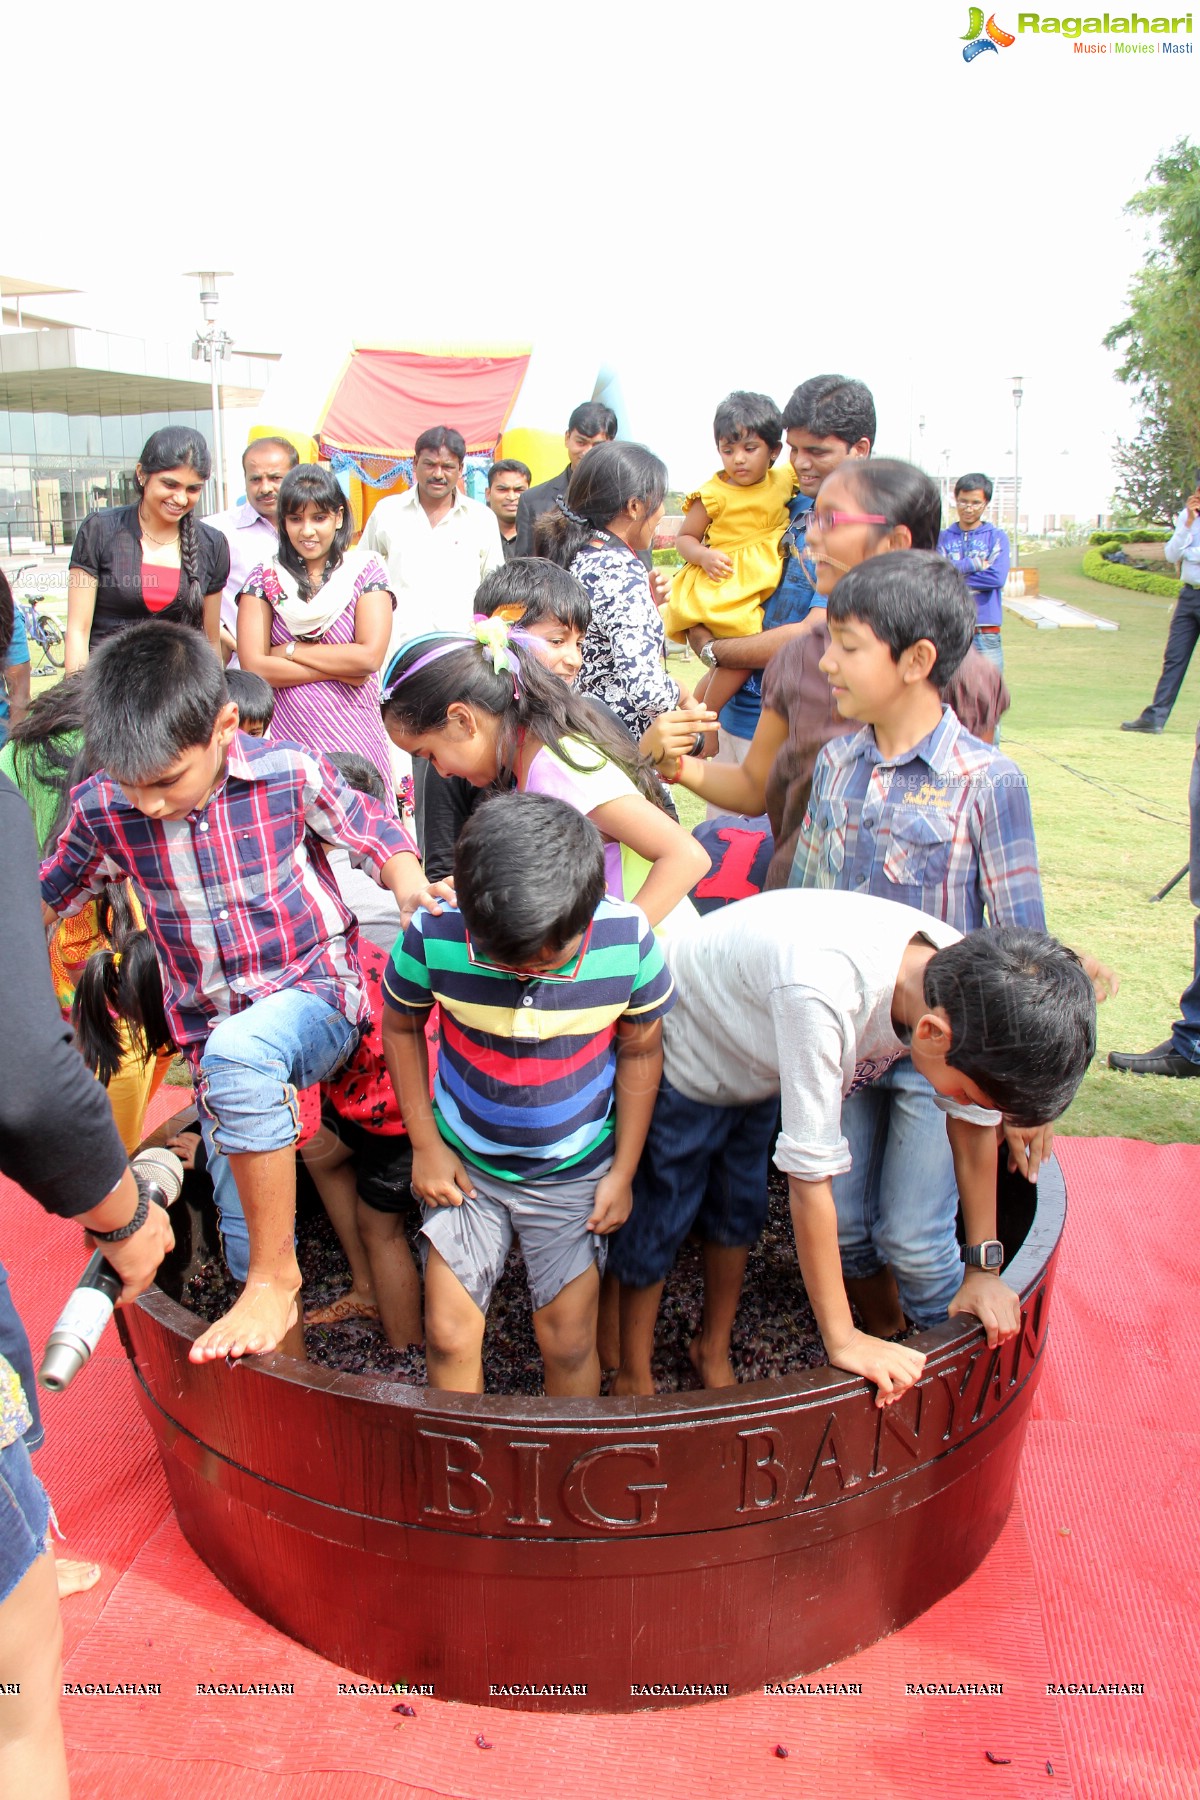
pixel 132 1088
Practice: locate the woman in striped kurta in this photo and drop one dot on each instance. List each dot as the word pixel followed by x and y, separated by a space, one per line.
pixel 315 623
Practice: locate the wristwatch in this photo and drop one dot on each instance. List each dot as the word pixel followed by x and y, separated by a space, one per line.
pixel 989 1256
pixel 291 648
pixel 708 656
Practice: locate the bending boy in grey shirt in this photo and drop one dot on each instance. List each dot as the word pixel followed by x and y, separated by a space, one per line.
pixel 811 995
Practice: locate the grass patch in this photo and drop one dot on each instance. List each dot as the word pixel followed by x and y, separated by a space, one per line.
pixel 1111 816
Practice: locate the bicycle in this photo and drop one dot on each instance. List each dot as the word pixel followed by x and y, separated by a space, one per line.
pixel 44 632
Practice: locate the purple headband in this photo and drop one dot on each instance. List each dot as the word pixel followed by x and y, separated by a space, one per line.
pixel 493 638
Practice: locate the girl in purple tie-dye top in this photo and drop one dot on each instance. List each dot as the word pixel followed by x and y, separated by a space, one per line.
pixel 315 623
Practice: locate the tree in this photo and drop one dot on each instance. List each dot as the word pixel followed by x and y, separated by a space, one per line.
pixel 1153 470
pixel 1160 340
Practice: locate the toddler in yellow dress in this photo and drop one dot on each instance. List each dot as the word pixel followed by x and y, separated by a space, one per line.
pixel 730 536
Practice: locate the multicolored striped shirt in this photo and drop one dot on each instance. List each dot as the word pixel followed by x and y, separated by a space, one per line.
pixel 945 828
pixel 238 897
pixel 525 1075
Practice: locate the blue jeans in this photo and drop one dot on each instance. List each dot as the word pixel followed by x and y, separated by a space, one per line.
pixel 253 1064
pixel 24 1516
pixel 988 644
pixel 704 1168
pixel 898 1204
pixel 1185 1035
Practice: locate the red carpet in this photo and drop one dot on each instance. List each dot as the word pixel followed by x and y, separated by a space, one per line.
pixel 1094 1581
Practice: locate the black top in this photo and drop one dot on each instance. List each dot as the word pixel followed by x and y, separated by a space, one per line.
pixel 108 545
pixel 533 503
pixel 543 499
pixel 44 1082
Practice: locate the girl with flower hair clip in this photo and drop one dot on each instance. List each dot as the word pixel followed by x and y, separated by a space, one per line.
pixel 484 707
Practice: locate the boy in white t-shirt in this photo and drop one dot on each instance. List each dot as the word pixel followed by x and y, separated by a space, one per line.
pixel 810 995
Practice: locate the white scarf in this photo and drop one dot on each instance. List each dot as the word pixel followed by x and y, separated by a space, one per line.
pixel 312 618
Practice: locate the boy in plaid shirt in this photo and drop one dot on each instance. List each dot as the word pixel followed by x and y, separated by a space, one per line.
pixel 914 809
pixel 225 838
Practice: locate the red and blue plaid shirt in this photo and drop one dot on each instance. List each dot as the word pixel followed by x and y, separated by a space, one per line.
pixel 239 898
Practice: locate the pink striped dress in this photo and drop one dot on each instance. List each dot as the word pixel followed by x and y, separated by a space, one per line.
pixel 331 715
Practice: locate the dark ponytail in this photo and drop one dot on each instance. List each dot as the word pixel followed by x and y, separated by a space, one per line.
pixel 532 702
pixel 602 484
pixel 115 987
pixel 179 447
pixel 191 601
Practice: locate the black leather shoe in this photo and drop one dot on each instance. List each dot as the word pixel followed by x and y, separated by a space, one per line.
pixel 1166 1060
pixel 1140 724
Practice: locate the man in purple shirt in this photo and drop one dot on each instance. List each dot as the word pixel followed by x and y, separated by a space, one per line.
pixel 981 554
pixel 251 529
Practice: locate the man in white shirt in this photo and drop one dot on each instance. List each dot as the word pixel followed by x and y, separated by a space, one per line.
pixel 1183 548
pixel 250 529
pixel 437 544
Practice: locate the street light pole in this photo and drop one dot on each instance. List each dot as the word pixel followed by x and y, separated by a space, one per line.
pixel 1018 395
pixel 213 344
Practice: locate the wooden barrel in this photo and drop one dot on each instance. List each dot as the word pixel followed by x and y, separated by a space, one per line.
pixel 596 1555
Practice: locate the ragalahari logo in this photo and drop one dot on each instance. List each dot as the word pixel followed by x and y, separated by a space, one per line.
pixel 975 43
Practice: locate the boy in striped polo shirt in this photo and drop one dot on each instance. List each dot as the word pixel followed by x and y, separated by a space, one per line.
pixel 552 998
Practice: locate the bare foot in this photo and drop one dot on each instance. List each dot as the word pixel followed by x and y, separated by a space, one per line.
pixel 350 1305
pixel 713 1371
pixel 631 1384
pixel 75 1577
pixel 258 1320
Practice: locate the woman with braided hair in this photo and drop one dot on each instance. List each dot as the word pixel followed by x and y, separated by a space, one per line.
pixel 152 560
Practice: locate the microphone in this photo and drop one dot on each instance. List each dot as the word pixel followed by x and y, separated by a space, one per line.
pixel 159 1177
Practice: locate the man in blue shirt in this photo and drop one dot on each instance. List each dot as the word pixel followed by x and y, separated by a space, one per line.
pixel 981 554
pixel 827 419
pixel 1182 547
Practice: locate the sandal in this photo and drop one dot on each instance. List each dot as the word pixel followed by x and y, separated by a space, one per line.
pixel 336 1312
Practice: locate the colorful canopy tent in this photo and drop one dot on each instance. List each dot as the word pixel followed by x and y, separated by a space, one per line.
pixel 386 395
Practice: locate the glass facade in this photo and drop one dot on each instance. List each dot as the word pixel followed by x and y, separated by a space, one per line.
pixel 57 467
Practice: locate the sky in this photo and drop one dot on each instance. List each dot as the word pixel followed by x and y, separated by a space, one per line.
pixel 700 198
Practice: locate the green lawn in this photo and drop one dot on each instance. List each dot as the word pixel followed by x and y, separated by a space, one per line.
pixel 1110 811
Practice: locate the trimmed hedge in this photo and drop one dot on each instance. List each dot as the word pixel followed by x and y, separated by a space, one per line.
pixel 1149 534
pixel 1120 575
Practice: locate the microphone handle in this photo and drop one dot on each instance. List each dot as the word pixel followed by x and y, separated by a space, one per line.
pixel 80 1324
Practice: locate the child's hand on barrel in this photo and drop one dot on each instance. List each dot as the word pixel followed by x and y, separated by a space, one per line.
pixel 892 1367
pixel 993 1303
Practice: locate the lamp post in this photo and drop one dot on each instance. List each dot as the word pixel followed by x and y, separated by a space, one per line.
pixel 1018 394
pixel 212 344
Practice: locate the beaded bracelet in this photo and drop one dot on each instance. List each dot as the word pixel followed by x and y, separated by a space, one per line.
pixel 125 1231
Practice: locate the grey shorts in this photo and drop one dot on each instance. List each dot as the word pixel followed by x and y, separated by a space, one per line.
pixel 548 1219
